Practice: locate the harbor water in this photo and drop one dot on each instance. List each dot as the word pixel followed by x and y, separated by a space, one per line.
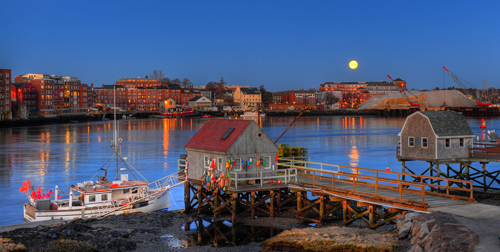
pixel 67 154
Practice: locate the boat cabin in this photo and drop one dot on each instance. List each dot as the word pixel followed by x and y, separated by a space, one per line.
pixel 236 146
pixel 435 135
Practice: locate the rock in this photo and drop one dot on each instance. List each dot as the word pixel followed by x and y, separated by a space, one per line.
pixel 404 230
pixel 424 230
pixel 410 216
pixel 416 248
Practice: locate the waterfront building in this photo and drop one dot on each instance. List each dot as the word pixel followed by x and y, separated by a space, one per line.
pixel 351 91
pixel 435 135
pixel 221 146
pixel 200 102
pixel 24 94
pixel 5 96
pixel 285 97
pixel 56 94
pixel 305 97
pixel 247 96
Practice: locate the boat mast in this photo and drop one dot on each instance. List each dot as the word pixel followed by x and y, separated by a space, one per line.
pixel 114 125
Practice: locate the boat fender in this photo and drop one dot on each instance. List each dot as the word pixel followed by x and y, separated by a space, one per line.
pixel 113 186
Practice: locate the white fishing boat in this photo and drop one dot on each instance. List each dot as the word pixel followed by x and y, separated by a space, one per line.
pixel 101 196
pixel 252 114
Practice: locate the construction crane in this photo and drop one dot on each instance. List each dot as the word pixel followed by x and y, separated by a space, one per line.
pixel 405 95
pixel 459 82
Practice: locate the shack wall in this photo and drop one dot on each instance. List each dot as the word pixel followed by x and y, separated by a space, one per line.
pixel 454 151
pixel 418 127
pixel 196 166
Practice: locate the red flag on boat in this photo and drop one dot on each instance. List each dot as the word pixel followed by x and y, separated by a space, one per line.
pixel 39 190
pixel 33 195
pixel 29 184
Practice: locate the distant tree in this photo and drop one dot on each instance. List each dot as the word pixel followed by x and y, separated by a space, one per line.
pixel 267 97
pixel 186 82
pixel 312 90
pixel 436 88
pixel 166 80
pixel 329 98
pixel 176 81
pixel 158 75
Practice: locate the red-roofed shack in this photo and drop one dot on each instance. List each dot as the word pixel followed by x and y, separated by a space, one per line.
pixel 226 140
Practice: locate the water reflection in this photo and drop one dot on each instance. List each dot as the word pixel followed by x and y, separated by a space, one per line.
pixel 66 154
pixel 224 233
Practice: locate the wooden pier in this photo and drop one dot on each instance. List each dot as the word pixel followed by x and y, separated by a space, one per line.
pixel 473 168
pixel 317 192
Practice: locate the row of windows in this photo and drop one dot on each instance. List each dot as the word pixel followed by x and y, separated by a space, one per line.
pixel 425 142
pixel 266 164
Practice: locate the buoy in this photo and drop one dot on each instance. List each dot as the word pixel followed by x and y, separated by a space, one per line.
pixel 388 169
pixel 483 125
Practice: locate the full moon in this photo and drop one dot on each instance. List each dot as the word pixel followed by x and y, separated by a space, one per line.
pixel 353 64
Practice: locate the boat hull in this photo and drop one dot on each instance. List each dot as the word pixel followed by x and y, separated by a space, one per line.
pixel 158 202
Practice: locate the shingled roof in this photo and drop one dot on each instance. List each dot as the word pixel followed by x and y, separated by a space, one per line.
pixel 209 136
pixel 448 123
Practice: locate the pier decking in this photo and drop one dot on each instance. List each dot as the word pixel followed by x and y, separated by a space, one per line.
pixel 379 195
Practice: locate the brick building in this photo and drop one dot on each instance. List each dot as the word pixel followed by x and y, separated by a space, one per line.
pixel 5 104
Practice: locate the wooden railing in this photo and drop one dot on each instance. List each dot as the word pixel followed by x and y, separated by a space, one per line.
pixel 284 176
pixel 378 179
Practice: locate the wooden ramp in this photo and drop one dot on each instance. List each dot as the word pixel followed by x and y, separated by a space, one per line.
pixel 384 188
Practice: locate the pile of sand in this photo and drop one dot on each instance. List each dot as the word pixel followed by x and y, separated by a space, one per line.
pixel 433 98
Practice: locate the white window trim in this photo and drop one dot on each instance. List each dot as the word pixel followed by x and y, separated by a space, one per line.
pixel 219 163
pixel 427 141
pixel 268 163
pixel 410 141
pixel 449 140
pixel 463 142
pixel 205 162
pixel 237 164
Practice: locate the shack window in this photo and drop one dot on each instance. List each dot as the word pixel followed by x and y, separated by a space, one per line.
pixel 266 162
pixel 92 198
pixel 447 143
pixel 237 164
pixel 462 143
pixel 424 142
pixel 219 164
pixel 104 197
pixel 207 162
pixel 411 142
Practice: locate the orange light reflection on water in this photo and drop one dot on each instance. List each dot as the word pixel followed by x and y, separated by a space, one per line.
pixel 354 156
pixel 166 130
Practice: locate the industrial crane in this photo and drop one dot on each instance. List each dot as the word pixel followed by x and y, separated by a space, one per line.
pixel 472 96
pixel 405 95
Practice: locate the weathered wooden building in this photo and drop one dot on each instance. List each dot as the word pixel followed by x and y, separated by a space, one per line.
pixel 238 145
pixel 435 135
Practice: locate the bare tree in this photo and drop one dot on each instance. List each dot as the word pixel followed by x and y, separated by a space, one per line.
pixel 176 81
pixel 158 75
pixel 166 80
pixel 329 98
pixel 186 82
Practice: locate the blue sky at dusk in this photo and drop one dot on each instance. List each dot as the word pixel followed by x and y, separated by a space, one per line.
pixel 279 44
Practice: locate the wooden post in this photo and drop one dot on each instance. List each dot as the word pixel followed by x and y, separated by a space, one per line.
pixel 321 209
pixel 252 202
pixel 200 198
pixel 485 186
pixel 344 210
pixel 216 200
pixel 271 210
pixel 187 197
pixel 233 219
pixel 371 217
pixel 299 198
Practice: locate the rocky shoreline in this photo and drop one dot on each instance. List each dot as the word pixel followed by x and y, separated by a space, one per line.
pixel 175 231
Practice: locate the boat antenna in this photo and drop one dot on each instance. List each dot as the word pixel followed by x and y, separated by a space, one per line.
pixel 114 133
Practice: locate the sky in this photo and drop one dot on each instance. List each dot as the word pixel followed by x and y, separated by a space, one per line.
pixel 279 44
